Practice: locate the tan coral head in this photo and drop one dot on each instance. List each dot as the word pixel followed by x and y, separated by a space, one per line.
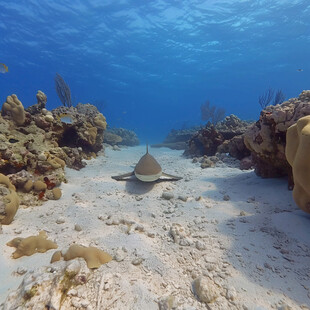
pixel 297 152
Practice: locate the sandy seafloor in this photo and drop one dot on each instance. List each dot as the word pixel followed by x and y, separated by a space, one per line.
pixel 255 245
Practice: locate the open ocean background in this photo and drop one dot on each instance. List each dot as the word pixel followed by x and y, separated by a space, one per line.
pixel 149 65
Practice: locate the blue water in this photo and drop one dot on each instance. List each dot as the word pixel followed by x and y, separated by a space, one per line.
pixel 150 64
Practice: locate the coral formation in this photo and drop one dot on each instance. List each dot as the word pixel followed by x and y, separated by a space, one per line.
pixel 225 137
pixel 94 257
pixel 204 142
pixel 30 245
pixel 178 139
pixel 10 201
pixel 128 137
pixel 297 152
pixel 266 139
pixel 41 103
pixel 15 109
pixel 36 145
pixel 112 138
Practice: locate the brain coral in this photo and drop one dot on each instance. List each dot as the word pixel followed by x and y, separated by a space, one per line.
pixel 297 153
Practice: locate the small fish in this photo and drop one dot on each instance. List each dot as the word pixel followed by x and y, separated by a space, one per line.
pixel 300 70
pixel 3 68
pixel 66 118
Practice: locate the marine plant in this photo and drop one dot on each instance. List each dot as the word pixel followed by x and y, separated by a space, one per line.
pixel 270 97
pixel 63 91
pixel 211 113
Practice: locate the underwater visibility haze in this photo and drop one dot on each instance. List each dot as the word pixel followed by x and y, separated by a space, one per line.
pixel 149 65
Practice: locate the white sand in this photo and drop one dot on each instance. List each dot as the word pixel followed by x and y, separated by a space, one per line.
pixel 261 258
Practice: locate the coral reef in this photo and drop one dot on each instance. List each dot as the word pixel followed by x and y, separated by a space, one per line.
pixel 30 245
pixel 297 152
pixel 232 126
pixel 178 139
pixel 129 137
pixel 266 139
pixel 37 144
pixel 112 138
pixel 204 142
pixel 225 137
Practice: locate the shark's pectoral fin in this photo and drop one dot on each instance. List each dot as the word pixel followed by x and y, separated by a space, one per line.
pixel 122 176
pixel 172 177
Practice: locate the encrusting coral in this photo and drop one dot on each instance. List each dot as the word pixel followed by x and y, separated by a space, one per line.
pixel 94 257
pixel 30 245
pixel 10 201
pixel 297 153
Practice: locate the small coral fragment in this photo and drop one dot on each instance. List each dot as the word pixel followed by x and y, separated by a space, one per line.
pixel 30 245
pixel 56 193
pixel 94 257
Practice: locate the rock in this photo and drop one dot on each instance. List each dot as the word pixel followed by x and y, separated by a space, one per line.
pixel 167 195
pixel 77 227
pixel 205 290
pixel 167 303
pixel 226 197
pixel 231 293
pixel 183 198
pixel 246 163
pixel 180 235
pixel 60 220
pixel 120 255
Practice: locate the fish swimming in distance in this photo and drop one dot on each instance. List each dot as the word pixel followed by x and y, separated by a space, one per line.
pixel 3 68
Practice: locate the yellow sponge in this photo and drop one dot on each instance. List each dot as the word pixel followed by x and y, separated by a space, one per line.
pixel 30 245
pixel 11 201
pixel 94 257
pixel 297 153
